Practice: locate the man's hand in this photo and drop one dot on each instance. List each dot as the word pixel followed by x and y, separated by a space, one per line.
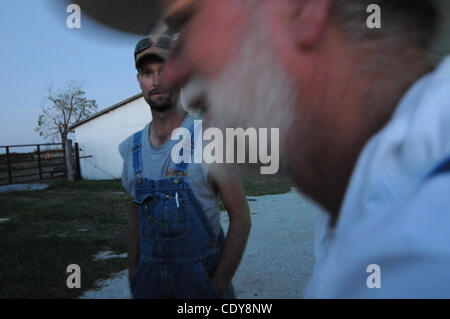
pixel 235 202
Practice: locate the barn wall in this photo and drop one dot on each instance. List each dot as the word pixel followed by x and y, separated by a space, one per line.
pixel 101 136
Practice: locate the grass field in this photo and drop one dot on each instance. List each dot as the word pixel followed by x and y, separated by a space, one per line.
pixel 69 223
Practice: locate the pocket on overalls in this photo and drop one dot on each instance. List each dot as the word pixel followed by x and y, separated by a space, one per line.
pixel 163 218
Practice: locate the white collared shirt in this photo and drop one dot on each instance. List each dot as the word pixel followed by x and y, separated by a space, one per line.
pixel 394 214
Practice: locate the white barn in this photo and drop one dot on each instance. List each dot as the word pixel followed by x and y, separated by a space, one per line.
pixel 99 136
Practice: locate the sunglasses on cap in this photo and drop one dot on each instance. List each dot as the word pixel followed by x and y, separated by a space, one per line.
pixel 163 42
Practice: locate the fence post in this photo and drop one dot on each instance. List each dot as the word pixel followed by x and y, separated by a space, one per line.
pixel 77 160
pixel 39 161
pixel 8 164
pixel 68 156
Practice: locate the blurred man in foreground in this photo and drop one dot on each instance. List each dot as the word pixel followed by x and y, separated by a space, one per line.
pixel 365 126
pixel 364 118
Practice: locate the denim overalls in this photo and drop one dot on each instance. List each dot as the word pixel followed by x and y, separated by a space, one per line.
pixel 179 250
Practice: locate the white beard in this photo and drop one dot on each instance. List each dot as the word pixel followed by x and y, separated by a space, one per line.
pixel 254 90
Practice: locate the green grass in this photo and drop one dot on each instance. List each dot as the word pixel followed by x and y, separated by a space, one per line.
pixel 43 237
pixel 260 185
pixel 69 223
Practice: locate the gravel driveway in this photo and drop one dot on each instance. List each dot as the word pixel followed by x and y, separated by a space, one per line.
pixel 278 259
pixel 22 187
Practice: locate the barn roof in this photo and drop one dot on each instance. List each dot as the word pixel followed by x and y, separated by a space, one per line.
pixel 102 112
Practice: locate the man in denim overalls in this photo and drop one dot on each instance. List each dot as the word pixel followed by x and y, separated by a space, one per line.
pixel 176 247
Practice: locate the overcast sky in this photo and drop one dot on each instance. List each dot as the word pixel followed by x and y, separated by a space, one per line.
pixel 39 50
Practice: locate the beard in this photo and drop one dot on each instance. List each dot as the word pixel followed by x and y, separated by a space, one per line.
pixel 253 91
pixel 161 104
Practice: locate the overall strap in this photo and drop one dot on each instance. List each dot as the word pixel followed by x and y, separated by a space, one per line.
pixel 182 166
pixel 137 154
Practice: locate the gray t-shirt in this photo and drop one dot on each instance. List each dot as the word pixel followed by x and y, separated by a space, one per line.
pixel 157 164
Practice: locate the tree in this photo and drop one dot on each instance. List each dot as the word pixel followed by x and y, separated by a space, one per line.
pixel 64 108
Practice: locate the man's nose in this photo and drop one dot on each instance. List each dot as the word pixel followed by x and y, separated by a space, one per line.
pixel 156 79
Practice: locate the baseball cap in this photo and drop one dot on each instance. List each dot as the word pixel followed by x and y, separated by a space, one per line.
pixel 157 46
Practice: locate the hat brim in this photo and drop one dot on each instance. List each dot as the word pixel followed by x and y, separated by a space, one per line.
pixel 131 16
pixel 141 16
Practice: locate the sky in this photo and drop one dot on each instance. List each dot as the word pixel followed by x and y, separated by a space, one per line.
pixel 38 50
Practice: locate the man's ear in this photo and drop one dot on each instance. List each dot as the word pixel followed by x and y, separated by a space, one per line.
pixel 295 27
pixel 138 77
pixel 310 21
